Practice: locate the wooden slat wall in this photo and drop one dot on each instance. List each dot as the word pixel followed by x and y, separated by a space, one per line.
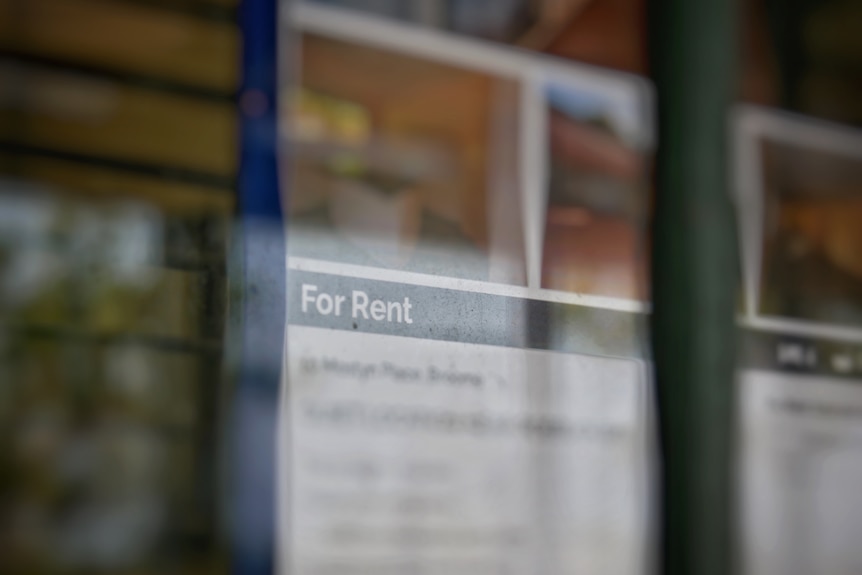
pixel 105 118
pixel 127 37
pixel 101 183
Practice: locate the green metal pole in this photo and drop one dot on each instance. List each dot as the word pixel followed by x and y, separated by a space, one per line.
pixel 692 47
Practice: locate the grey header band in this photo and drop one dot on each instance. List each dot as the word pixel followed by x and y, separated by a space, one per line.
pixel 801 354
pixel 348 303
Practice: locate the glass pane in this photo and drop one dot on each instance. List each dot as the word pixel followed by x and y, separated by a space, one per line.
pixel 117 198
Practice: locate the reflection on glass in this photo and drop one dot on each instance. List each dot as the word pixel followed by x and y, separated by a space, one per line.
pixel 117 182
pixel 110 339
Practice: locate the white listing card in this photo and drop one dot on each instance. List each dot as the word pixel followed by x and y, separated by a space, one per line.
pixel 404 455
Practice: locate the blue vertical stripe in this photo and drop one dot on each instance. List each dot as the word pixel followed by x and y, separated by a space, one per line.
pixel 259 270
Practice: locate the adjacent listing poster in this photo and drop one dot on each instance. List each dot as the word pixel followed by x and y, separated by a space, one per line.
pixel 466 387
pixel 800 199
